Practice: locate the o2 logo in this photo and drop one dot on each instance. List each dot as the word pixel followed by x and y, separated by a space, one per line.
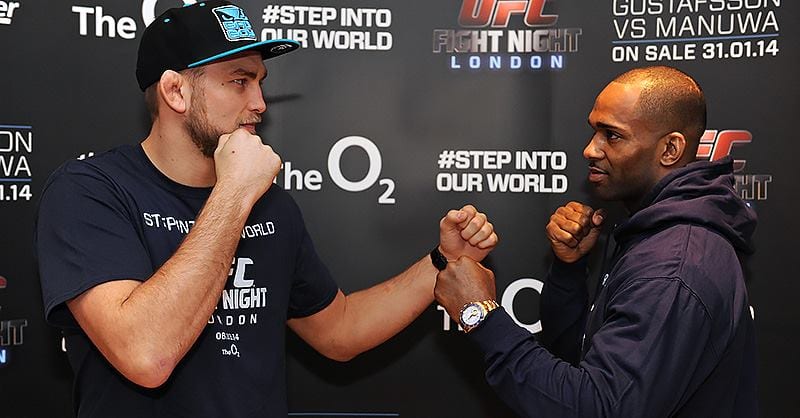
pixel 296 179
pixel 374 171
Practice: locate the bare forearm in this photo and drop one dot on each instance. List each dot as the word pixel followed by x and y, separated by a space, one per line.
pixel 158 321
pixel 353 324
pixel 373 315
pixel 187 287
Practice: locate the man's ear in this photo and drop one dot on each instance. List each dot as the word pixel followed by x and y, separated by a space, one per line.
pixel 674 146
pixel 172 92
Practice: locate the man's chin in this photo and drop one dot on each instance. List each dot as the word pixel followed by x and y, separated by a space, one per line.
pixel 601 192
pixel 206 147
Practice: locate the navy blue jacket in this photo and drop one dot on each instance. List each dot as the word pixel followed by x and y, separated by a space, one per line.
pixel 669 333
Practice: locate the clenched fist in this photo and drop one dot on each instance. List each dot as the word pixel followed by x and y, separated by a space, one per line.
pixel 466 232
pixel 573 230
pixel 245 164
pixel 463 281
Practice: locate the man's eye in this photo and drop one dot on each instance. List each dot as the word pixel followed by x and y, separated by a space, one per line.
pixel 240 81
pixel 611 135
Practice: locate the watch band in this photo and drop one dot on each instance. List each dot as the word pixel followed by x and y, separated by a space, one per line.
pixel 438 259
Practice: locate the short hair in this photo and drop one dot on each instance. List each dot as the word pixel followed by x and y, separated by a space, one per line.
pixel 151 92
pixel 671 99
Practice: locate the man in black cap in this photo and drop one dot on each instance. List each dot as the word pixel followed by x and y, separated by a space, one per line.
pixel 175 265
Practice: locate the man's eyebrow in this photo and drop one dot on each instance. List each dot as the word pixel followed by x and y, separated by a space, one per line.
pixel 247 73
pixel 603 125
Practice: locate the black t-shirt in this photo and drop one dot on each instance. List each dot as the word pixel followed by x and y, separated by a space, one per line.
pixel 115 216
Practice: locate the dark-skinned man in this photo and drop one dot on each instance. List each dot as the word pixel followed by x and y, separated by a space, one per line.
pixel 669 332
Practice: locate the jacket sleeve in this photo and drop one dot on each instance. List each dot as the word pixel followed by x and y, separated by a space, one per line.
pixel 654 329
pixel 562 309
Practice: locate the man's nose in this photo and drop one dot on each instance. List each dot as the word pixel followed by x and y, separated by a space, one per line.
pixel 257 103
pixel 592 150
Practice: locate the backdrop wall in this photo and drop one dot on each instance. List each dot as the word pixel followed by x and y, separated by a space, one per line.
pixel 392 113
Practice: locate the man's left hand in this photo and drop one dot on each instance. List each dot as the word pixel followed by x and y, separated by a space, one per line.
pixel 466 232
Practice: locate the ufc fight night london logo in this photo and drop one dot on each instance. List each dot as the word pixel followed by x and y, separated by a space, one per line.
pixel 717 144
pixel 11 331
pixel 480 13
pixel 518 47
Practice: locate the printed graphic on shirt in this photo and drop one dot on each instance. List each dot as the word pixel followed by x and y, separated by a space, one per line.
pixel 183 226
pixel 243 295
pixel 243 298
pixel 238 307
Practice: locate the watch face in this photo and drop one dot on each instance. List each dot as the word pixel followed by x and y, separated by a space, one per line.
pixel 471 315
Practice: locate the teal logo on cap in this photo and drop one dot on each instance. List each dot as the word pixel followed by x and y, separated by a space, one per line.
pixel 235 24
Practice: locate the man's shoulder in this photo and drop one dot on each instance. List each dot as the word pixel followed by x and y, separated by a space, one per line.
pixel 676 240
pixel 698 256
pixel 657 254
pixel 106 165
pixel 113 175
pixel 280 200
pixel 693 243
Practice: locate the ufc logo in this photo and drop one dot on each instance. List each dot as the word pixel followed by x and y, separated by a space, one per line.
pixel 238 267
pixel 715 145
pixel 482 13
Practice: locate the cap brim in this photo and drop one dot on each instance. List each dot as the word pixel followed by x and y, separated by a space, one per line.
pixel 268 49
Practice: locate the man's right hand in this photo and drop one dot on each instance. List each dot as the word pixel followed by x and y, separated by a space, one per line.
pixel 463 281
pixel 244 163
pixel 573 230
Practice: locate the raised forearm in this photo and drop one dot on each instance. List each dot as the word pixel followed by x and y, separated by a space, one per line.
pixel 145 329
pixel 353 324
pixel 362 320
pixel 187 287
pixel 379 312
pixel 563 308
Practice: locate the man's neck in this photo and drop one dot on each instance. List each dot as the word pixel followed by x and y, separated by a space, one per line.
pixel 176 156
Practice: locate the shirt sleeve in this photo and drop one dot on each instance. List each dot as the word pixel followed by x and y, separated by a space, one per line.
pixel 84 236
pixel 313 287
pixel 563 309
pixel 653 328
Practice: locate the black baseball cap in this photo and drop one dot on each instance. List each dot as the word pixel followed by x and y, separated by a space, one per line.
pixel 195 35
